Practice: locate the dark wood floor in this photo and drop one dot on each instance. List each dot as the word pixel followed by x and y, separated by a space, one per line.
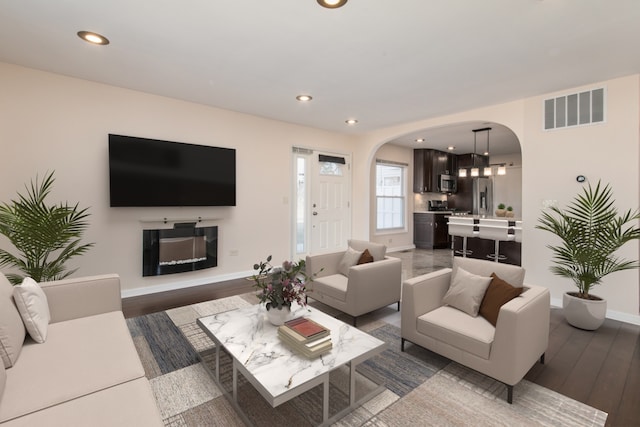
pixel 600 368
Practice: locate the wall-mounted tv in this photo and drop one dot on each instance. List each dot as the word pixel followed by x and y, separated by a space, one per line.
pixel 151 172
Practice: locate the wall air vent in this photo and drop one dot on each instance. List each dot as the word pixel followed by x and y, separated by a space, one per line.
pixel 577 109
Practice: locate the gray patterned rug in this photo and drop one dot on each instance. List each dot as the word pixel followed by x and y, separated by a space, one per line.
pixel 421 387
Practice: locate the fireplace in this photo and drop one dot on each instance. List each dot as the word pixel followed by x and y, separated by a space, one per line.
pixel 182 248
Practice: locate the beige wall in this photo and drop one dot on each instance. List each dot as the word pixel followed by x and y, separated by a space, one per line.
pixel 52 122
pixel 550 162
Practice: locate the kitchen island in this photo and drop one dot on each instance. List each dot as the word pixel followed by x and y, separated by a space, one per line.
pixel 485 234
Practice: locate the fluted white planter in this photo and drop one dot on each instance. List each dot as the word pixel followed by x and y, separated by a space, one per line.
pixel 584 313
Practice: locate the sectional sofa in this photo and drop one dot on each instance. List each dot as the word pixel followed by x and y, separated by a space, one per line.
pixel 87 371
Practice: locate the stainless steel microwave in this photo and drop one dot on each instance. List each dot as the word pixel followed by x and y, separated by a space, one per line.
pixel 447 183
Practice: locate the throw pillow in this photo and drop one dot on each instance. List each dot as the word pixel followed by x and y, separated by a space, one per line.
pixel 349 259
pixel 365 258
pixel 466 291
pixel 33 307
pixel 12 330
pixel 377 250
pixel 498 293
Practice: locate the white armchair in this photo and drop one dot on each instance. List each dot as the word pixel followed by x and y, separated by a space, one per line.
pixel 505 352
pixel 365 287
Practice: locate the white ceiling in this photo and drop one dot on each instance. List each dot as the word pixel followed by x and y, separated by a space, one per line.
pixel 382 62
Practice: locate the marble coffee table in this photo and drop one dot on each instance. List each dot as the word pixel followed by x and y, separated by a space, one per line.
pixel 278 373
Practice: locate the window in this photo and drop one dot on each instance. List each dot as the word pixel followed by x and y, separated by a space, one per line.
pixel 390 196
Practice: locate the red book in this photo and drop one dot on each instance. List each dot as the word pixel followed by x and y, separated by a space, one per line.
pixel 306 327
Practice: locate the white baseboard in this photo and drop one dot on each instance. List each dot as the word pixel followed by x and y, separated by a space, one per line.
pixel 401 248
pixel 127 293
pixel 634 319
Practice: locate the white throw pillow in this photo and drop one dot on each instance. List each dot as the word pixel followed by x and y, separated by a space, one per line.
pixel 33 307
pixel 466 291
pixel 349 259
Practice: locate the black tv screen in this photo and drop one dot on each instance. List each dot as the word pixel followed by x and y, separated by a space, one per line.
pixel 151 172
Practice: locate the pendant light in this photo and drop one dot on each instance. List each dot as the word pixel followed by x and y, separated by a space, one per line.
pixel 474 170
pixel 487 170
pixel 502 169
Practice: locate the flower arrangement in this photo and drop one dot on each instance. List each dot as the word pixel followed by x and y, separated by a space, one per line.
pixel 280 286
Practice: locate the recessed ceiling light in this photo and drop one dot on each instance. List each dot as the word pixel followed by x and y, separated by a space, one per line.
pixel 451 148
pixel 351 121
pixel 332 4
pixel 304 98
pixel 419 140
pixel 93 38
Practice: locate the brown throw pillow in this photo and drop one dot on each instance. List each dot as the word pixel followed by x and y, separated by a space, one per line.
pixel 498 293
pixel 365 257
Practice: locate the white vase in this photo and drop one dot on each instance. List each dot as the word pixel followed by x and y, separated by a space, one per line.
pixel 278 316
pixel 583 313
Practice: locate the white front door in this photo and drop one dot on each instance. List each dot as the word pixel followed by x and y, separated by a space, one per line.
pixel 323 208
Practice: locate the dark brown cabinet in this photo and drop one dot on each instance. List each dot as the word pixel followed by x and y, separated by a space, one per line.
pixel 430 230
pixel 428 165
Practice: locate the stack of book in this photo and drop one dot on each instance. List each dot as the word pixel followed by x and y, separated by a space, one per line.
pixel 306 337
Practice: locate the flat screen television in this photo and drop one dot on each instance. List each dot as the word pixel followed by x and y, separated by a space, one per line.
pixel 151 172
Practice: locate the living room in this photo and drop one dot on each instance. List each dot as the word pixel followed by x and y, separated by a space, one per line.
pixel 56 122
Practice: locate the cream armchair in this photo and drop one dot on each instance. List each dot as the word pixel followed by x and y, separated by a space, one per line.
pixel 365 287
pixel 505 352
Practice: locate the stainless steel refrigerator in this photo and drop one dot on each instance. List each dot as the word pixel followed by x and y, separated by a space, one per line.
pixel 482 196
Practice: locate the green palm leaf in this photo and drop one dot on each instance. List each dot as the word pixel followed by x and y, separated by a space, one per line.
pixel 590 231
pixel 45 236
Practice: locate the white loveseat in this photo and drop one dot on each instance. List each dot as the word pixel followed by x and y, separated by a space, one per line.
pixel 505 352
pixel 86 373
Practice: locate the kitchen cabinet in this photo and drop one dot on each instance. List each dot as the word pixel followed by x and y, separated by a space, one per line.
pixel 430 230
pixel 428 165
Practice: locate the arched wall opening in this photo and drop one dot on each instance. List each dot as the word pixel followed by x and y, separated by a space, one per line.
pixel 456 138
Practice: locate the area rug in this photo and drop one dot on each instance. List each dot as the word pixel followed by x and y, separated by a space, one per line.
pixel 421 387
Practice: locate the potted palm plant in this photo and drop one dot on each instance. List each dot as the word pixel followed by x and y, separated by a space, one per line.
pixel 45 236
pixel 590 231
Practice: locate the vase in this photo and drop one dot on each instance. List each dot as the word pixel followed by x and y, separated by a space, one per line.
pixel 583 313
pixel 278 316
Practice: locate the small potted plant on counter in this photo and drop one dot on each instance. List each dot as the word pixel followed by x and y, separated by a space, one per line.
pixel 509 212
pixel 501 211
pixel 590 232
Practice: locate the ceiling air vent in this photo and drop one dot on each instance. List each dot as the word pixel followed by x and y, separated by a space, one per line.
pixel 576 109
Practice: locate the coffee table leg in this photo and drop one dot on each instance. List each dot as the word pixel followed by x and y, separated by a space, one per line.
pixel 218 362
pixel 352 383
pixel 235 381
pixel 325 400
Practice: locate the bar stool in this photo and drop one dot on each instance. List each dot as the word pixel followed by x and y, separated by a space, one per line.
pixel 462 227
pixel 498 231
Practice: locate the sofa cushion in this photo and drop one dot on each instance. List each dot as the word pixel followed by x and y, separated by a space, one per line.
pixel 466 291
pixel 128 404
pixel 366 257
pixel 85 355
pixel 12 330
pixel 334 286
pixel 454 327
pixel 349 259
pixel 33 307
pixel 377 250
pixel 498 293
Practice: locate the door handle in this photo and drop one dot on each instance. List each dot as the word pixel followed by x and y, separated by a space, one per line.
pixel 315 213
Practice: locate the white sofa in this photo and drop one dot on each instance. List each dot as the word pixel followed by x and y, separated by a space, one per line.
pixel 365 287
pixel 505 352
pixel 86 373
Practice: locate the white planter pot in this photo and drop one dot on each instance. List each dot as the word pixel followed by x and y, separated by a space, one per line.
pixel 278 317
pixel 583 313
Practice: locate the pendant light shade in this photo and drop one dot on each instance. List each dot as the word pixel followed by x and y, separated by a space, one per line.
pixel 475 172
pixel 462 173
pixel 487 171
pixel 502 170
